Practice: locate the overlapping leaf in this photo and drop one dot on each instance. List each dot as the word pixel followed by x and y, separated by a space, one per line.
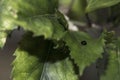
pixel 113 66
pixel 59 66
pixel 26 66
pixel 60 70
pixel 30 58
pixel 34 61
pixel 37 16
pixel 97 4
pixel 83 49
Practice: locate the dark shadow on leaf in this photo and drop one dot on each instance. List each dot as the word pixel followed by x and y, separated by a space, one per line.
pixel 59 53
pixel 42 48
pixel 36 46
pixel 102 64
pixel 75 66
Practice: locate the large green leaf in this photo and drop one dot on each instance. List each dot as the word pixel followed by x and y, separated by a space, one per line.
pixel 29 15
pixel 30 58
pixel 84 49
pixel 36 61
pixel 43 25
pixel 97 4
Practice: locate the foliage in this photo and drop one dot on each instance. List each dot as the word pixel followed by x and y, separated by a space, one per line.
pixel 113 67
pixel 84 49
pixel 96 4
pixel 48 49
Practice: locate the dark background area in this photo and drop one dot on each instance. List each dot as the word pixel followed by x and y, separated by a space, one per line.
pixel 6 54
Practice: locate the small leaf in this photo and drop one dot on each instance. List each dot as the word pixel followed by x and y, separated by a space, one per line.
pixel 83 49
pixel 97 4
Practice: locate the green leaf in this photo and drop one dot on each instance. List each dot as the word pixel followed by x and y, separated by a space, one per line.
pixel 61 19
pixel 34 61
pixel 83 49
pixel 97 4
pixel 28 14
pixel 59 70
pixel 58 65
pixel 28 8
pixel 75 8
pixel 6 23
pixel 26 66
pixel 30 58
pixel 79 7
pixel 2 39
pixel 113 66
pixel 43 25
pixel 4 33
